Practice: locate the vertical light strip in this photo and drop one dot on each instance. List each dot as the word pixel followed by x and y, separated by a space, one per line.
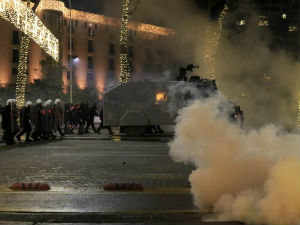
pixel 22 71
pixel 298 122
pixel 212 44
pixel 124 65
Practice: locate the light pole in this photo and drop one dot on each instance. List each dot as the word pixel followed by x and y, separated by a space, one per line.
pixel 71 58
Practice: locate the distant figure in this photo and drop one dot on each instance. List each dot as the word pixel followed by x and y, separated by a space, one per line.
pixel 25 122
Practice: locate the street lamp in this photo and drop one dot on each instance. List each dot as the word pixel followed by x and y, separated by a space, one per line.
pixel 71 57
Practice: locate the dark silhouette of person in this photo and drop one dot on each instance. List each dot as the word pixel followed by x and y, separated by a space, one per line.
pixel 101 124
pixel 9 122
pixel 92 112
pixel 25 122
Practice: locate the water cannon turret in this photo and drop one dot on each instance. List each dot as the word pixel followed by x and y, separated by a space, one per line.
pixel 190 67
pixel 183 71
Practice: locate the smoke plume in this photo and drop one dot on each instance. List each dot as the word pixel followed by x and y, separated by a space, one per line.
pixel 256 74
pixel 249 176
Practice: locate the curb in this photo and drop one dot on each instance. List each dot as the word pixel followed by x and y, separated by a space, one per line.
pixel 117 217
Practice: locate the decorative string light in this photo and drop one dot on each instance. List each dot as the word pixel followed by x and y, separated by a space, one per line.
pixel 22 68
pixel 298 122
pixel 22 71
pixel 212 44
pixel 100 19
pixel 22 17
pixel 124 65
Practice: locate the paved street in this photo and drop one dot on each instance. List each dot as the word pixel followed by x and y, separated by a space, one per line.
pixel 78 166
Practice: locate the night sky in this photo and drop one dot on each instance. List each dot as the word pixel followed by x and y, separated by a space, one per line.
pixel 97 6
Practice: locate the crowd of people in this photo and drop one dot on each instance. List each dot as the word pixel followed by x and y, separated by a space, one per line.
pixel 41 121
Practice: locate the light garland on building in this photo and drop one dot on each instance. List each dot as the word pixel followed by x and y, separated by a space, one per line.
pixel 212 44
pixel 22 71
pixel 100 19
pixel 22 17
pixel 124 65
pixel 298 122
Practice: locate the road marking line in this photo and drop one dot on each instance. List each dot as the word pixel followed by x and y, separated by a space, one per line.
pixel 101 155
pixel 55 147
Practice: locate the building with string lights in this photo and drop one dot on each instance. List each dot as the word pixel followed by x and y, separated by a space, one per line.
pixel 95 47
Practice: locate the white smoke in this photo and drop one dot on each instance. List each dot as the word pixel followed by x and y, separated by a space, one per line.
pixel 177 91
pixel 249 176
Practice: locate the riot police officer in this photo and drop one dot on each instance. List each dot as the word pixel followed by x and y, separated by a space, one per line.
pixel 9 122
pixel 25 122
pixel 36 118
pixel 91 113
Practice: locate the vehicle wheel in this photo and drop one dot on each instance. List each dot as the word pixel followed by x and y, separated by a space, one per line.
pixel 136 131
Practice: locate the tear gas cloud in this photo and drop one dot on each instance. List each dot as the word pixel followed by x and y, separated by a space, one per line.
pixel 249 176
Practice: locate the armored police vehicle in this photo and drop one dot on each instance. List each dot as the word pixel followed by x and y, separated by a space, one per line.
pixel 134 106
